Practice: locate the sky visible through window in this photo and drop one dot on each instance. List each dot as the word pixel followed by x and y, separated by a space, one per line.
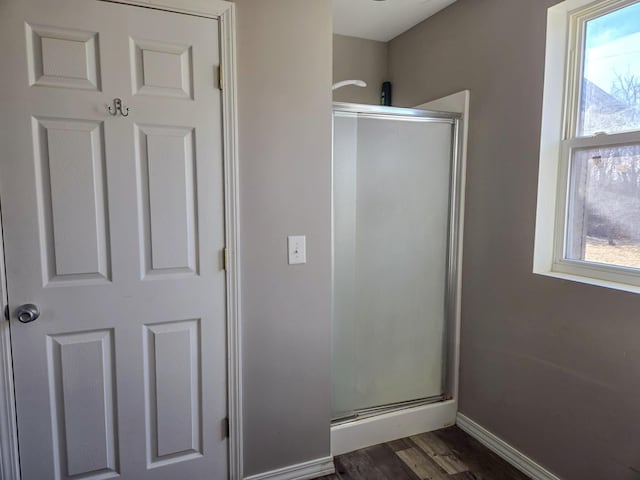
pixel 613 47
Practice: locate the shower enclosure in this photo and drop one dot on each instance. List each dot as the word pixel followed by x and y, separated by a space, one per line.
pixel 396 178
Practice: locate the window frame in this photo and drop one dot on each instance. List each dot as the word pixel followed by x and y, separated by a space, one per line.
pixel 564 67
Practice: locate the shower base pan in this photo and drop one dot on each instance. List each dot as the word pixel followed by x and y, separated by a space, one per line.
pixel 385 424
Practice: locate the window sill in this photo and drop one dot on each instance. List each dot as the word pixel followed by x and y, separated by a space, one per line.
pixel 590 280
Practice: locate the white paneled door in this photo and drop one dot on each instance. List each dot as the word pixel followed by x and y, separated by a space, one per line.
pixel 114 228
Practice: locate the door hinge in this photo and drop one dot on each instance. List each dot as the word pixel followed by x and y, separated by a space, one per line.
pixel 225 258
pixel 225 427
pixel 220 77
pixel 6 312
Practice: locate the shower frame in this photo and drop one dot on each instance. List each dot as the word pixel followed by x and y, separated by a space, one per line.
pixel 412 411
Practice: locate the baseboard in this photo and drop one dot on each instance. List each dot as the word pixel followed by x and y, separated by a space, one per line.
pixel 504 450
pixel 358 434
pixel 302 471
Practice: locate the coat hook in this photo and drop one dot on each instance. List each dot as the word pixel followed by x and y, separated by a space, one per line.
pixel 118 106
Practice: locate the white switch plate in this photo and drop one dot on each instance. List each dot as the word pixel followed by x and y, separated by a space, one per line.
pixel 297 249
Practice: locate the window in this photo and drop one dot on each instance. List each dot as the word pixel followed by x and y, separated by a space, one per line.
pixel 588 220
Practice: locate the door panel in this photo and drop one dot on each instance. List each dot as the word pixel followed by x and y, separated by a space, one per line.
pixel 391 194
pixel 168 206
pixel 62 57
pixel 114 227
pixel 172 369
pixel 161 69
pixel 81 385
pixel 74 221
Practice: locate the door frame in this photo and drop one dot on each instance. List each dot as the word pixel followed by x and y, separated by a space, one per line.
pixel 224 12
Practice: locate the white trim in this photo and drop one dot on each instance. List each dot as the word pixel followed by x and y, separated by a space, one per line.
pixel 501 448
pixel 358 434
pixel 556 65
pixel 579 276
pixel 200 8
pixel 224 11
pixel 303 471
pixel 232 225
pixel 9 458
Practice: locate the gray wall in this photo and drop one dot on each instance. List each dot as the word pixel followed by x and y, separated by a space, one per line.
pixel 284 71
pixel 359 59
pixel 551 366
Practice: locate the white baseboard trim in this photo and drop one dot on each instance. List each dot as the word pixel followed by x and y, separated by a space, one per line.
pixel 504 450
pixel 302 471
pixel 370 431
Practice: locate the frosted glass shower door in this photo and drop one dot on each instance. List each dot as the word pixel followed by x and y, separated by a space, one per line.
pixel 391 229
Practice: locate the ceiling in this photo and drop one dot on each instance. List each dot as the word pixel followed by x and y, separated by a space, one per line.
pixel 382 20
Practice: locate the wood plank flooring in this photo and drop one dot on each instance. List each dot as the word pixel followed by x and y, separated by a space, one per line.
pixel 448 454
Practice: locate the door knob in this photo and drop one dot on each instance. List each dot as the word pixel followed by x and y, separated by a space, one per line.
pixel 27 313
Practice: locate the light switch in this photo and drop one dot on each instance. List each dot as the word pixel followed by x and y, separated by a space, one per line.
pixel 297 249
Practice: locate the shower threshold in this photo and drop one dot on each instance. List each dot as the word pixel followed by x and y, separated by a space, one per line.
pixel 381 410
